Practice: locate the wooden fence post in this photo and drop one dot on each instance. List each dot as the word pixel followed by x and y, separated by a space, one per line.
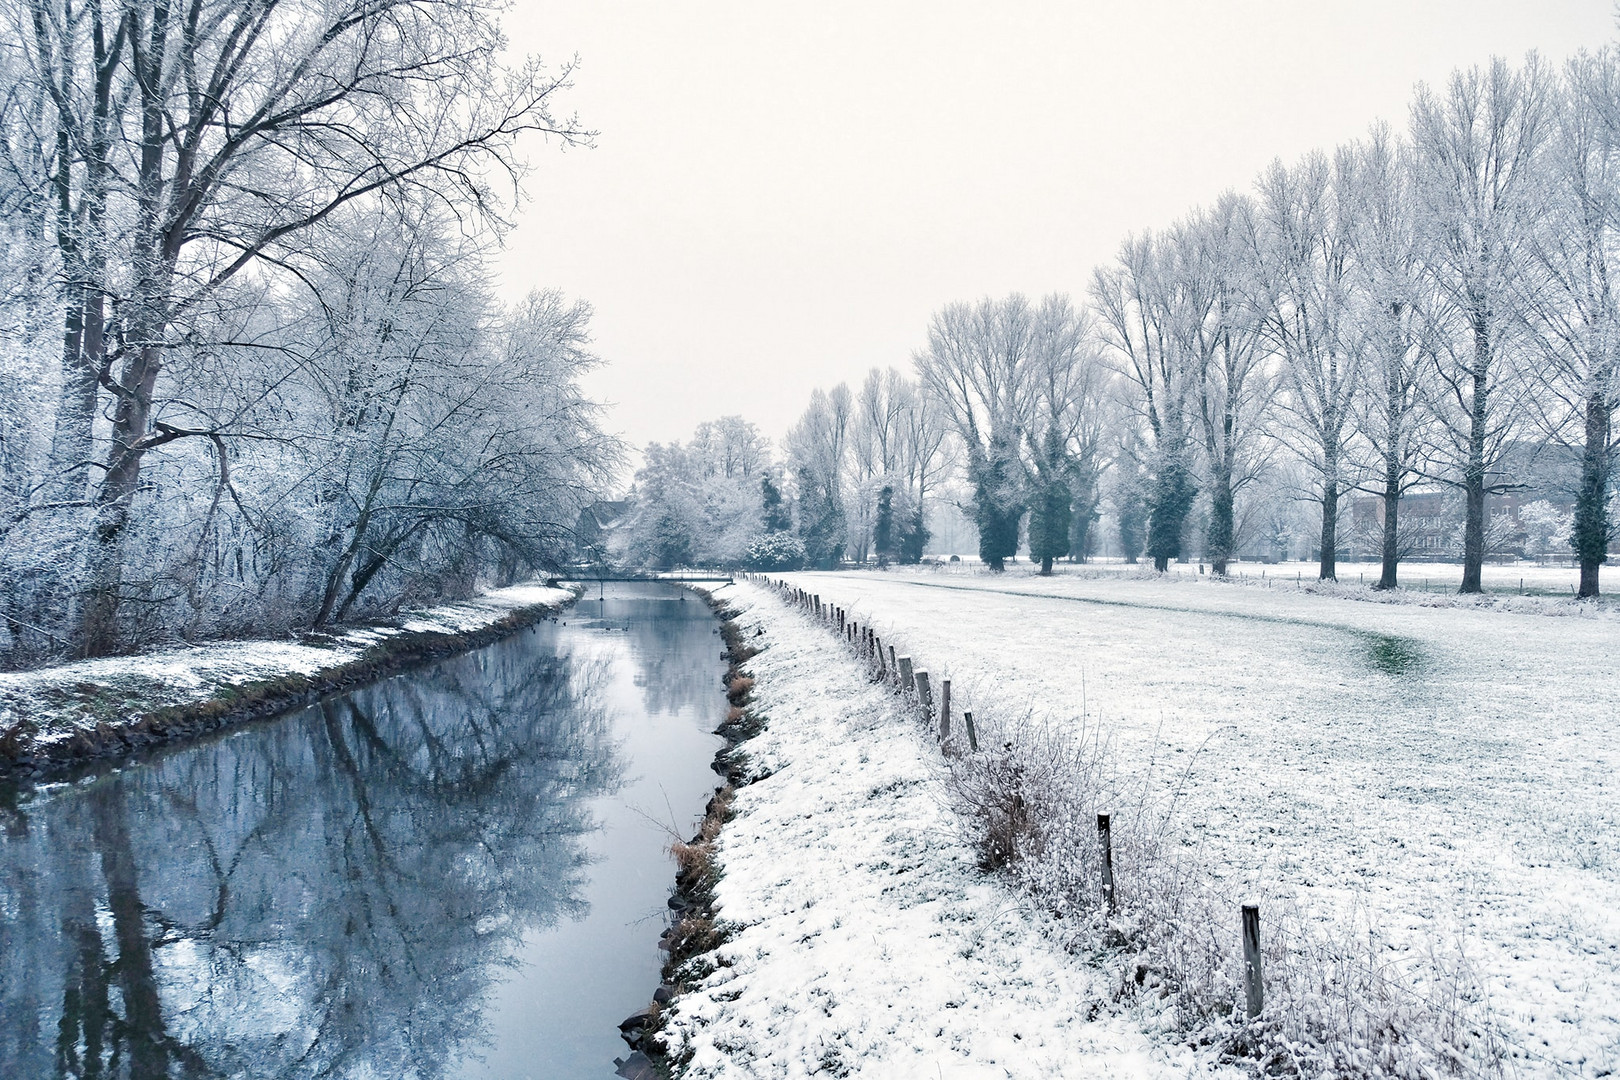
pixel 925 693
pixel 883 671
pixel 973 736
pixel 1105 837
pixel 1253 983
pixel 944 710
pixel 906 680
pixel 894 664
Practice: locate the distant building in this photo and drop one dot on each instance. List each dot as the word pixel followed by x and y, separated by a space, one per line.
pixel 594 525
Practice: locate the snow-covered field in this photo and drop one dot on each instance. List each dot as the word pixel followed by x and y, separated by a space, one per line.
pixel 57 701
pixel 1448 773
pixel 867 941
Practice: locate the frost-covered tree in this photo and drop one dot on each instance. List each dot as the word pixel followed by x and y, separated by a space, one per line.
pixel 1307 223
pixel 1573 305
pixel 1139 303
pixel 818 449
pixel 1477 149
pixel 1393 409
pixel 179 158
pixel 704 502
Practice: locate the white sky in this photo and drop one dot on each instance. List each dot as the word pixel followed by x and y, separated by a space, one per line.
pixel 782 194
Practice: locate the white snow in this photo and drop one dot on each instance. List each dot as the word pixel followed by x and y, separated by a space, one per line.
pixel 867 941
pixel 1472 798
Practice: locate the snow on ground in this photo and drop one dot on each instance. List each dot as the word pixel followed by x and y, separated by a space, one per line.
pixel 87 692
pixel 868 942
pixel 1449 771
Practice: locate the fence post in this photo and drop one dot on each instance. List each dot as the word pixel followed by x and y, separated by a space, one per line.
pixel 1253 983
pixel 925 693
pixel 906 681
pixel 894 665
pixel 973 736
pixel 883 671
pixel 944 710
pixel 1105 837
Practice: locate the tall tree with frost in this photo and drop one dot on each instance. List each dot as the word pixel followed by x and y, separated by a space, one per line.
pixel 818 447
pixel 1476 169
pixel 1307 218
pixel 1217 328
pixel 978 368
pixel 1136 303
pixel 1575 312
pixel 1391 412
pixel 196 142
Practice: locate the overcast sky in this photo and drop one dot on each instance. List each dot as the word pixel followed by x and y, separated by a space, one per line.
pixel 781 194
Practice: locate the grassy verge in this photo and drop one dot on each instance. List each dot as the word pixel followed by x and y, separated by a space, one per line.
pixel 117 722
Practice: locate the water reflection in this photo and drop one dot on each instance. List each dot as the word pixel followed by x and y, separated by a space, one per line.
pixel 336 894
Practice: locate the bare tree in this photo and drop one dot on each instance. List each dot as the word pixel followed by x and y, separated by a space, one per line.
pixel 1218 331
pixel 1476 150
pixel 1305 259
pixel 197 141
pixel 978 367
pixel 1138 303
pixel 1574 312
pixel 1391 414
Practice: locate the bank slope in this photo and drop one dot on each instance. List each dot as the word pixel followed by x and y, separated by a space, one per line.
pixel 862 938
pixel 57 717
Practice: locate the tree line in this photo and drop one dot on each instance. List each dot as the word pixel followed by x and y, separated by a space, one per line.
pixel 256 377
pixel 1424 310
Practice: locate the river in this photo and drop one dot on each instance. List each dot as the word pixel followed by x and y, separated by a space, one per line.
pixel 458 872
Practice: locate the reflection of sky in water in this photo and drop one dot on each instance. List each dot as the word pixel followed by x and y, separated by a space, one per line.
pixel 453 865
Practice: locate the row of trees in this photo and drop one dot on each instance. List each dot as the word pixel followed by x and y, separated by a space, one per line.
pixel 1401 312
pixel 255 377
pixel 1432 311
pixel 858 472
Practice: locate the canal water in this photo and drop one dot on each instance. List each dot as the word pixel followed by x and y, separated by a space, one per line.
pixel 460 872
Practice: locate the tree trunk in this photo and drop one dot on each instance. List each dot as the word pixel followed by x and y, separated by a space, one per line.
pixel 1221 527
pixel 1590 537
pixel 1329 570
pixel 1474 474
pixel 1392 510
pixel 1046 566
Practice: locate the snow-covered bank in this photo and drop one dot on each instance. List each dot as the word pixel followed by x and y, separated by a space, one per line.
pixel 863 940
pixel 1445 775
pixel 56 716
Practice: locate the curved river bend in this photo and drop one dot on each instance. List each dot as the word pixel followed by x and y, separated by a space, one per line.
pixel 458 872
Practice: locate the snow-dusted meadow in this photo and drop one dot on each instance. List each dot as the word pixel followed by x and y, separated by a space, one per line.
pixel 866 942
pixel 1444 773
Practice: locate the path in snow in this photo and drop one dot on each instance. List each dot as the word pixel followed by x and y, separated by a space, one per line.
pixel 870 944
pixel 1451 771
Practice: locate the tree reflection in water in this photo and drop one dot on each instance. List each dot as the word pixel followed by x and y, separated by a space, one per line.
pixel 327 896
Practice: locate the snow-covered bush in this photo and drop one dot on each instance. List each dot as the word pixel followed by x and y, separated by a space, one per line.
pixel 775 551
pixel 1341 999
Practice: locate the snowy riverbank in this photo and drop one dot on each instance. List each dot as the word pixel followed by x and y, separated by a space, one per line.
pixel 61 715
pixel 863 939
pixel 1441 777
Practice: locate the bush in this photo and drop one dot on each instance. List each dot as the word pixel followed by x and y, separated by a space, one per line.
pixel 1340 999
pixel 775 551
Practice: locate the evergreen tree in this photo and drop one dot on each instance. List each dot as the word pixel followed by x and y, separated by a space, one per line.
pixel 998 504
pixel 1170 501
pixel 778 519
pixel 821 524
pixel 883 534
pixel 914 538
pixel 1052 508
